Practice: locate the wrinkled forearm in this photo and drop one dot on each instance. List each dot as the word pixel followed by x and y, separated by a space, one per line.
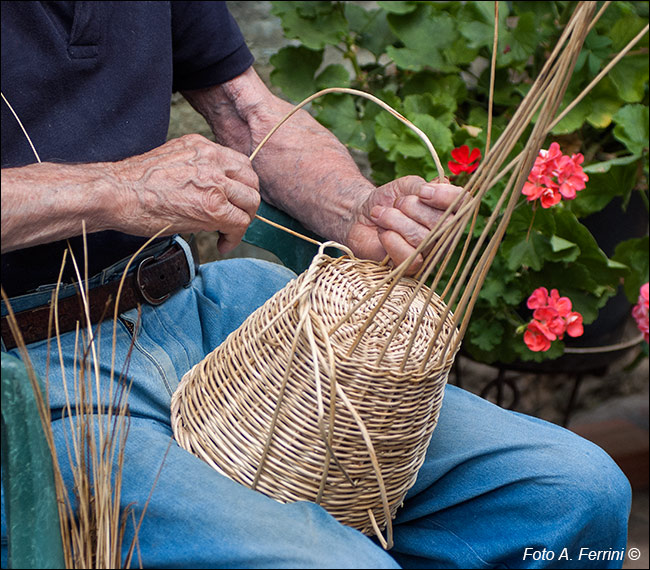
pixel 46 202
pixel 303 169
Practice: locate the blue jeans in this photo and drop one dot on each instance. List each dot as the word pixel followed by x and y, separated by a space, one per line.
pixel 495 490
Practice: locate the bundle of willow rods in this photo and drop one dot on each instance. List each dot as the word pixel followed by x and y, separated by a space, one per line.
pixel 331 390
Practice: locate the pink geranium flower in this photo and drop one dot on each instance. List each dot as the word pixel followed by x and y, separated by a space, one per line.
pixel 570 176
pixel 550 196
pixel 640 311
pixel 561 304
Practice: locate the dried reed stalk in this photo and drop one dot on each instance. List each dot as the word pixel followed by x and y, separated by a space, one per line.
pixel 93 525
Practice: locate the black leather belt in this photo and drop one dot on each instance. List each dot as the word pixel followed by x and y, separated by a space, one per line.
pixel 153 282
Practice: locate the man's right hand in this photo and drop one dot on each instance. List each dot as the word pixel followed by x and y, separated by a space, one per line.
pixel 190 184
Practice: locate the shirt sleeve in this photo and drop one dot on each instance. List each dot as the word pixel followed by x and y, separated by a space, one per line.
pixel 208 46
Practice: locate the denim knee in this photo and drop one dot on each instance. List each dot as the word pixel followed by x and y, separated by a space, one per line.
pixel 593 498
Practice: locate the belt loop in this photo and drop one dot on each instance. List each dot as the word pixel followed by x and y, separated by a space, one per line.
pixel 191 252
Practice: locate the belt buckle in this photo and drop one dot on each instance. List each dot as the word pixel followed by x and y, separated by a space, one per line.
pixel 151 300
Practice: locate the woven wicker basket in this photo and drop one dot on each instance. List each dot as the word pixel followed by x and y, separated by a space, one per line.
pixel 286 407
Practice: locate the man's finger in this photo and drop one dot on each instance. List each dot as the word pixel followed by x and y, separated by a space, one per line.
pixel 399 250
pixel 415 209
pixel 441 196
pixel 243 197
pixel 393 219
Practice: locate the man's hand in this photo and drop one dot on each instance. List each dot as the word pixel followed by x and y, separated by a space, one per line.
pixel 396 217
pixel 191 184
pixel 188 184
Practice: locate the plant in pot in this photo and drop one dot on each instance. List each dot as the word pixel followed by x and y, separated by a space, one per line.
pixel 584 237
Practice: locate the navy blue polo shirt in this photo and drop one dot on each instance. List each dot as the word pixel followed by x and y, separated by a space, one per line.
pixel 92 82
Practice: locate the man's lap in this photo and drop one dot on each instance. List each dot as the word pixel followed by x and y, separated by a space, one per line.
pixel 492 482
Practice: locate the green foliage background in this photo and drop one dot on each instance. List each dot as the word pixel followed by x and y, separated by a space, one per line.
pixel 430 61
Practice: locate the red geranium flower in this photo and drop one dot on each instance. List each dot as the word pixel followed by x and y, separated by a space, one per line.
pixel 464 159
pixel 535 338
pixel 552 317
pixel 538 298
pixel 574 324
pixel 555 176
pixel 561 304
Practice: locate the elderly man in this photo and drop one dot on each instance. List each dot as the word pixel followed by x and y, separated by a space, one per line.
pixel 91 84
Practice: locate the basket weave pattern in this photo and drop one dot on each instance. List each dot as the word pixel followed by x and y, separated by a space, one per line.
pixel 284 406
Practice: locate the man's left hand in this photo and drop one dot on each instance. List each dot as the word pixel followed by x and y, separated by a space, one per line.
pixel 396 217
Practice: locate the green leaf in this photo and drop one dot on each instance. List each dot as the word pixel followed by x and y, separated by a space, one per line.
pixel 294 69
pixel 591 256
pixel 632 127
pixel 496 292
pixel 625 28
pixel 545 12
pixel 630 76
pixel 421 47
pixel 477 34
pixel 398 7
pixel 476 23
pixel 460 53
pixel 315 24
pixel 564 250
pixel 594 51
pixel 339 114
pixel 606 180
pixel 486 334
pixel 602 167
pixel 383 170
pixel 604 104
pixel 575 118
pixel 357 17
pixel 518 44
pixel 526 251
pixel 436 131
pixel 395 138
pixel 525 216
pixel 635 254
pixel 415 60
pixel 334 75
pixel 407 165
pixel 446 90
pixel 371 28
pixel 441 106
